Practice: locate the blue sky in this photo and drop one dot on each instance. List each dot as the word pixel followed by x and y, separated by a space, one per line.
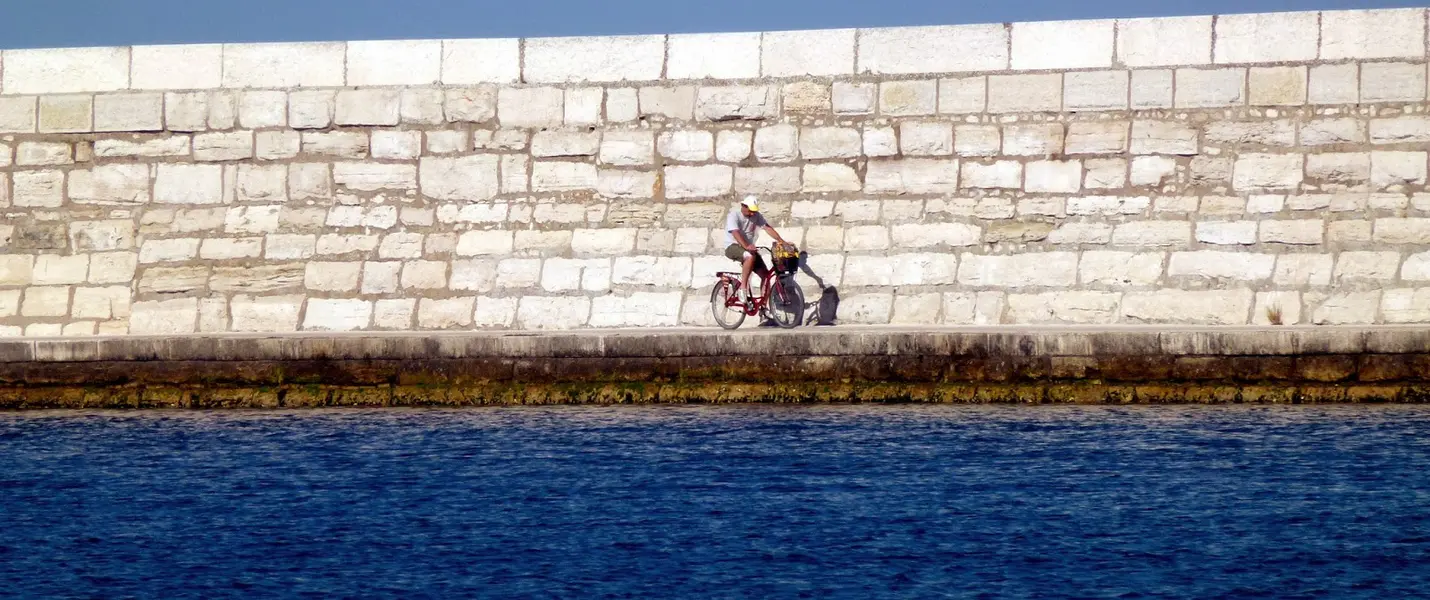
pixel 60 23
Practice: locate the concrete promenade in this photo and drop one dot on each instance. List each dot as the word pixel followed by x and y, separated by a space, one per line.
pixel 1117 364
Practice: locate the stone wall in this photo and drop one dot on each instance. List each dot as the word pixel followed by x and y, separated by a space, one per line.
pixel 1210 170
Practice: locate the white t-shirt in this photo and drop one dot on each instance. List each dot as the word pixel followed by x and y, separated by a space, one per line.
pixel 749 226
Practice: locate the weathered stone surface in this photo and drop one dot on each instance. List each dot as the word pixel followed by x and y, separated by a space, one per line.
pixel 464 178
pixel 1033 269
pixel 736 103
pixel 1216 264
pixel 1214 307
pixel 265 313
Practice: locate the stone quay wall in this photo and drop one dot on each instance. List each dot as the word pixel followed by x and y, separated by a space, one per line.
pixel 1213 170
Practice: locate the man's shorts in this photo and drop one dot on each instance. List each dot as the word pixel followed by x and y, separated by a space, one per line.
pixel 736 253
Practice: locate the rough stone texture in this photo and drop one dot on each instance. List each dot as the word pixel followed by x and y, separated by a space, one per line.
pixel 968 174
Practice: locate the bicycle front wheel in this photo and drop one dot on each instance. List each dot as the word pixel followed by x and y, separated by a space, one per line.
pixel 786 302
pixel 729 317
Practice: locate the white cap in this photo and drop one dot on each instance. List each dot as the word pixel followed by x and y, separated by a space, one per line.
pixel 751 202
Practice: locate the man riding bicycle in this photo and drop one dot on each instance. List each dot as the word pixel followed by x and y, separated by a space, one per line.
pixel 742 228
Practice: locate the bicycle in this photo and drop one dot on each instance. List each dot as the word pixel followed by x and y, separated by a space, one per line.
pixel 782 301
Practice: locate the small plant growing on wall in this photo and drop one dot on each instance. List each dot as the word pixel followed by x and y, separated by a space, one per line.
pixel 1273 314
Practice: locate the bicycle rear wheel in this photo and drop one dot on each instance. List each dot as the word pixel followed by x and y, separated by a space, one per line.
pixel 729 317
pixel 786 302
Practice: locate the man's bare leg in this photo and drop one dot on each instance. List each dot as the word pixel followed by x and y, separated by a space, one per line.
pixel 747 266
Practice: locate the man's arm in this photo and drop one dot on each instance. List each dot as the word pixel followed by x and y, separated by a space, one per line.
pixel 740 239
pixel 774 234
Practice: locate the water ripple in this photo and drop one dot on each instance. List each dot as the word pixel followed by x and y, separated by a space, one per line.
pixel 719 502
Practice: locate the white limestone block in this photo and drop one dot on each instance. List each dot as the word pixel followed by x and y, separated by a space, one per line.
pixel 66 114
pixel 1120 269
pixel 1334 84
pixel 911 176
pixel 1392 82
pixel 53 269
pixel 268 314
pixel 1366 265
pixel 1151 89
pixel 1099 137
pixel 1002 174
pixel 1346 308
pixel 466 62
pixel 1406 305
pixel 1152 233
pixel 607 58
pixel 1163 137
pixel 552 312
pixel 231 248
pixel 369 177
pixel 101 236
pixel 562 176
pixel 777 143
pixel 424 275
pixel 1094 90
pixel 1164 42
pixel 1394 33
pixel 394 62
pixel 922 138
pixel 685 145
pixel 164 317
pixel 551 144
pixel 495 312
pixel 1062 44
pixel 713 56
pixel 368 107
pixel 830 177
pixel 676 103
pixel 1227 233
pixel 622 105
pixel 463 178
pixel 819 52
pixel 737 103
pixel 962 95
pixel 698 181
pixel 1053 177
pixel 129 112
pixel 286 65
pixel 732 145
pixel 1029 269
pixel 176 67
pixel 1395 170
pixel 17 114
pixel 38 189
pixel 252 219
pixel 530 107
pixel 1306 232
pixel 30 154
pixel 928 235
pixel 940 49
pixel 640 309
pixel 168 250
pixel 1025 93
pixel 311 109
pixel 655 271
pixel 1079 307
pixel 16 269
pixel 603 241
pixel 111 302
pixel 583 106
pixel 215 147
pixel 65 70
pixel 1033 139
pixel 616 183
pixel 904 98
pixel 977 140
pixel 333 314
pixel 262 108
pixel 117 184
pixel 276 145
pixel 767 180
pixel 1219 265
pixel 854 98
pixel 626 148
pixel 1266 37
pixel 817 143
pixel 1210 88
pixel 1213 307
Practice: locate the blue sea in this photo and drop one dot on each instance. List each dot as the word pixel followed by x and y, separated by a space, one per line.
pixel 719 502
